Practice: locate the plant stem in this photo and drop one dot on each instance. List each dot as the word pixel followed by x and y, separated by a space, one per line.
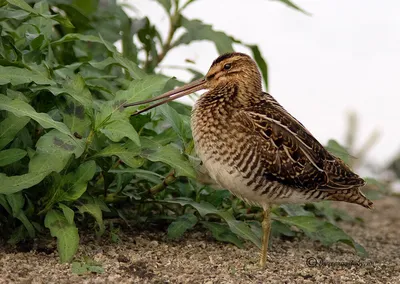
pixel 89 141
pixel 169 179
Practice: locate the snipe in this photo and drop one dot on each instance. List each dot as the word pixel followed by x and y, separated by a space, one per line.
pixel 253 147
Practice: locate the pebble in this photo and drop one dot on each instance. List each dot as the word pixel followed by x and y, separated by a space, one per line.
pixel 153 244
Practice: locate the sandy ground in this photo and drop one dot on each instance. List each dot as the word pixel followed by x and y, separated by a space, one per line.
pixel 149 257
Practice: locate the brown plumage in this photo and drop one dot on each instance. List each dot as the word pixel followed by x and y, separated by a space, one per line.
pixel 253 147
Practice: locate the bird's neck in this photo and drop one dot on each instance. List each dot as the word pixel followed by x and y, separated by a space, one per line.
pixel 234 95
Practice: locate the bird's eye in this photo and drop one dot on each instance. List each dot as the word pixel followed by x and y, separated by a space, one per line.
pixel 227 66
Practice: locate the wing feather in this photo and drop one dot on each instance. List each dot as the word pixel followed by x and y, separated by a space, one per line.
pixel 290 153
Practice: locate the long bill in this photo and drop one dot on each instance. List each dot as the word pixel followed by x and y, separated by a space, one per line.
pixel 171 95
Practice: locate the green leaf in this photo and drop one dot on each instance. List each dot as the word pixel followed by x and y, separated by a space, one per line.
pixel 197 30
pixel 325 232
pixel 278 229
pixel 148 86
pixel 23 5
pixel 16 202
pixel 13 14
pixel 59 144
pixel 296 210
pixel 83 268
pixel 75 184
pixel 128 152
pixel 118 129
pixel 183 223
pixel 17 76
pixel 4 202
pixel 54 149
pixel 238 227
pixel 180 123
pixel 138 90
pixel 11 156
pixel 69 214
pixel 66 234
pixel 9 127
pixel 131 67
pixel 169 155
pixel 76 88
pixel 294 6
pixel 166 5
pixel 88 6
pixel 75 118
pixel 94 209
pixel 262 64
pixel 222 233
pixel 21 108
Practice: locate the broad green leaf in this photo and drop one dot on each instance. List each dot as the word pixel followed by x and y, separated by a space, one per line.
pixel 66 234
pixel 222 233
pixel 17 76
pixel 183 223
pixel 9 127
pixel 21 108
pixel 138 90
pixel 74 87
pixel 75 184
pixel 17 183
pixel 118 129
pixel 94 209
pixel 13 14
pixel 142 89
pixel 59 144
pixel 131 67
pixel 128 152
pixel 278 229
pixel 171 156
pixel 204 208
pixel 197 30
pixel 325 232
pixel 75 118
pixel 23 5
pixel 11 156
pixel 103 64
pixel 54 149
pixel 41 9
pixel 180 123
pixel 69 214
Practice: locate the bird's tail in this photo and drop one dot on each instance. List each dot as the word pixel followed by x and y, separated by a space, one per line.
pixel 353 195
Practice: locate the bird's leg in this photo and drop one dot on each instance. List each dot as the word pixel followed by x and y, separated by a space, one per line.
pixel 266 225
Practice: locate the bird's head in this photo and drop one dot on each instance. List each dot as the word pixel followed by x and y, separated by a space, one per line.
pixel 231 70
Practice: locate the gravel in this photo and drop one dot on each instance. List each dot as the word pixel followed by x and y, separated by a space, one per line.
pixel 149 257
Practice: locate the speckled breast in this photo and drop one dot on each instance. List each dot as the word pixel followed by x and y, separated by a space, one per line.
pixel 228 151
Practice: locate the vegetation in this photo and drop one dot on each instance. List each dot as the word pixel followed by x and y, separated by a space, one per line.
pixel 72 157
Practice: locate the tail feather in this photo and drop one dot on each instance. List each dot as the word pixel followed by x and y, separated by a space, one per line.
pixel 353 195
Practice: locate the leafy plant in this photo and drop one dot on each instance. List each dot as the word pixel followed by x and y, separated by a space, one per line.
pixel 70 152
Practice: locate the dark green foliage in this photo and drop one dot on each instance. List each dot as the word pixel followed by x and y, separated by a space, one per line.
pixel 71 155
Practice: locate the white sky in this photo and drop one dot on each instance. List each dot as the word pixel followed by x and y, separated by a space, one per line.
pixel 346 56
